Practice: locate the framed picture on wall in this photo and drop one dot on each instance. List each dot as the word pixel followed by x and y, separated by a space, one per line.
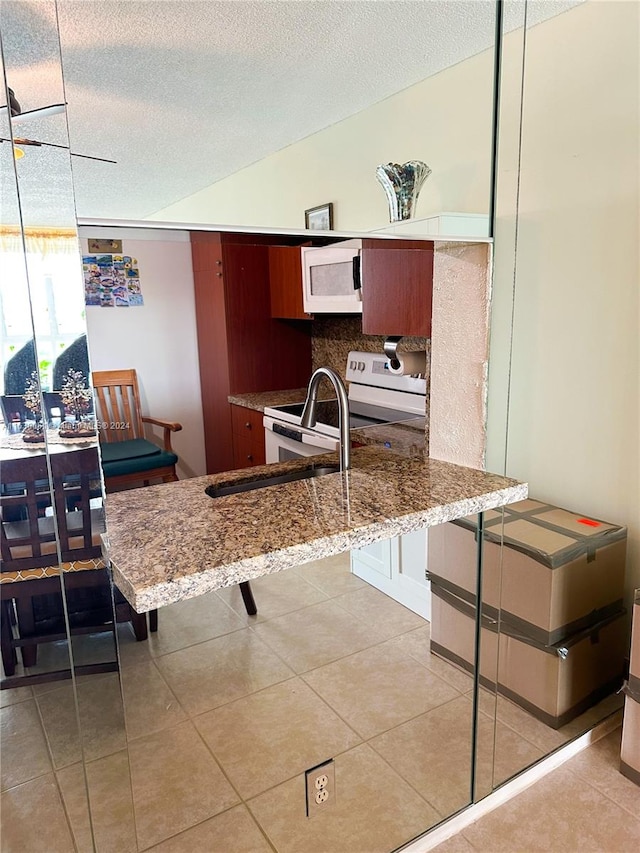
pixel 319 218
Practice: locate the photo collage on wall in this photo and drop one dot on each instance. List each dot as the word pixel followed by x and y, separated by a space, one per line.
pixel 111 281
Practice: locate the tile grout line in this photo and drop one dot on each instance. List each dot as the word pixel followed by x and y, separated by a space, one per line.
pixel 54 771
pixel 356 652
pixel 406 781
pixel 200 823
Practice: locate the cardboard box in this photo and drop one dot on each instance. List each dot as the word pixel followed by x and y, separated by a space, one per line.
pixel 453 634
pixel 634 666
pixel 559 572
pixel 630 749
pixel 556 682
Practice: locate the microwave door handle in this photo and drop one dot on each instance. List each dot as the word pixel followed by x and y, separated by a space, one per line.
pixel 357 273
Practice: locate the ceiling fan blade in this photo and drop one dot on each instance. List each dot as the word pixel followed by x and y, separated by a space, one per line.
pixel 17 141
pixel 41 112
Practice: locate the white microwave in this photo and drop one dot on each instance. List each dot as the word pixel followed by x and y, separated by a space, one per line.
pixel 332 278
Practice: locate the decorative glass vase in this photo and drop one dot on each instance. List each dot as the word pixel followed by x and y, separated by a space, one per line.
pixel 402 185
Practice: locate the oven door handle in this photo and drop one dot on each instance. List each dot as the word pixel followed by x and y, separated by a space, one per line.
pixel 290 431
pixel 324 441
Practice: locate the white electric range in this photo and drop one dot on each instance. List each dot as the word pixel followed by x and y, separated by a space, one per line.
pixel 376 396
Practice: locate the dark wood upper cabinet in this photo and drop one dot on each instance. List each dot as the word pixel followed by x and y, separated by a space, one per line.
pixel 285 280
pixel 241 348
pixel 397 287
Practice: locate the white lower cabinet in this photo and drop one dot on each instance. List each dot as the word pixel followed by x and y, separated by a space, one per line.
pixel 397 567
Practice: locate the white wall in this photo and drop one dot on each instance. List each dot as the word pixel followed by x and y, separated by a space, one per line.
pixel 444 121
pixel 573 430
pixel 158 338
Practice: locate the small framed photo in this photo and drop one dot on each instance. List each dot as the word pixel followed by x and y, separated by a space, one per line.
pixel 319 218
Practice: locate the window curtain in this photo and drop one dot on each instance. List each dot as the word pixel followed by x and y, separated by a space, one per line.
pixel 48 288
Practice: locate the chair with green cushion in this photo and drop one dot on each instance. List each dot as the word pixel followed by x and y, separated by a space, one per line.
pixel 128 458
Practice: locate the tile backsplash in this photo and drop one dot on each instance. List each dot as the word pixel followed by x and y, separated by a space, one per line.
pixel 332 338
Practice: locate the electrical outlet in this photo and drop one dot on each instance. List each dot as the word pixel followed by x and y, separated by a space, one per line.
pixel 320 784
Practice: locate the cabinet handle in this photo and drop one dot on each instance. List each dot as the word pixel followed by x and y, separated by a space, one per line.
pixel 248 425
pixel 219 274
pixel 218 262
pixel 250 457
pixel 357 273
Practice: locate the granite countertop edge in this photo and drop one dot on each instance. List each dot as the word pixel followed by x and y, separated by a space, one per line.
pixel 261 400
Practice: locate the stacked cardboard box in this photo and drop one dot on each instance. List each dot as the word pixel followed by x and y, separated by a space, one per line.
pixel 630 751
pixel 553 632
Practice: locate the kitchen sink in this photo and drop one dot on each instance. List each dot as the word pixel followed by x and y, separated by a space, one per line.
pixel 221 490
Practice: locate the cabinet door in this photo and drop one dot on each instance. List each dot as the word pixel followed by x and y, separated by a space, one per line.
pixel 285 282
pixel 247 451
pixel 397 567
pixel 210 299
pixel 397 288
pixel 248 437
pixel 376 561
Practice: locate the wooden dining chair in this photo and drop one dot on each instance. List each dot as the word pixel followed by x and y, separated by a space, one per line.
pixel 129 459
pixel 14 412
pixel 30 582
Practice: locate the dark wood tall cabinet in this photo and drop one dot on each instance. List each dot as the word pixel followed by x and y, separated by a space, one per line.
pixel 241 347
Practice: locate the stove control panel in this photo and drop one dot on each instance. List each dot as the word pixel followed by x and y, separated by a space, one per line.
pixel 371 368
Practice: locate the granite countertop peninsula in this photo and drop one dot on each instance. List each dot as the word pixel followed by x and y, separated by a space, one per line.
pixel 171 542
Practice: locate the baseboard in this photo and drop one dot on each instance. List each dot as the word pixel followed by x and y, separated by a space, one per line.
pixel 511 789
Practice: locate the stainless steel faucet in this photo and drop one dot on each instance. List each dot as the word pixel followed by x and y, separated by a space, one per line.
pixel 309 411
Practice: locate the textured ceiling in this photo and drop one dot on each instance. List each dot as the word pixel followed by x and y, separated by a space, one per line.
pixel 183 94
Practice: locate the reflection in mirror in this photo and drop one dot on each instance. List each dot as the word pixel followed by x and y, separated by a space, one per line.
pixel 22 442
pixel 559 589
pixel 176 666
pixel 28 563
pixel 394 709
pixel 60 683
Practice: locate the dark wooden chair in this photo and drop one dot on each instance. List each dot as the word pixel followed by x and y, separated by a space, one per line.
pixel 128 458
pixel 32 576
pixel 14 412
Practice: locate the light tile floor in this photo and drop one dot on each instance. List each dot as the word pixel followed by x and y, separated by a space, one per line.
pixel 584 805
pixel 223 713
